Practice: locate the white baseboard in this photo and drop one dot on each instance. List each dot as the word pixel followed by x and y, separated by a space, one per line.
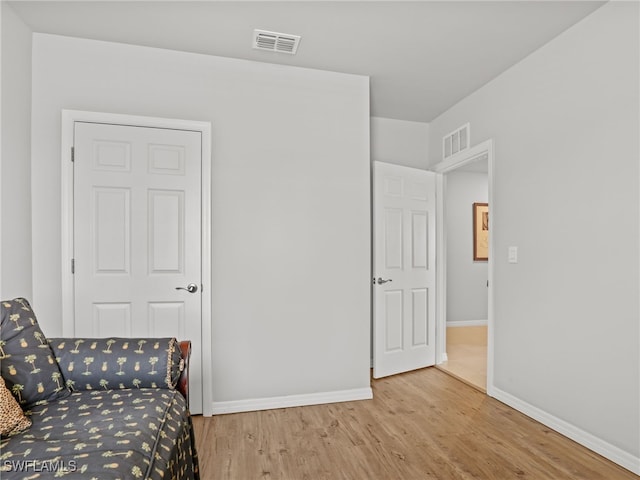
pixel 607 450
pixel 255 404
pixel 467 323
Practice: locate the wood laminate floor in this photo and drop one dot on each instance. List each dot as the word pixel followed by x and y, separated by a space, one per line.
pixel 420 425
pixel 467 355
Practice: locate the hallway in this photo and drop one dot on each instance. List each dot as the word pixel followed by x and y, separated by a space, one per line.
pixel 467 355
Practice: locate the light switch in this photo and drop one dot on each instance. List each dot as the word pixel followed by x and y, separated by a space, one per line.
pixel 513 255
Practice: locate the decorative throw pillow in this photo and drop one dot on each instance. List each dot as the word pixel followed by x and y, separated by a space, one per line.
pixel 27 362
pixel 12 418
pixel 117 363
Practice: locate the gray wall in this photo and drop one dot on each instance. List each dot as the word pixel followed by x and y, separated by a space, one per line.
pixel 290 202
pixel 467 296
pixel 566 192
pixel 15 163
pixel 400 142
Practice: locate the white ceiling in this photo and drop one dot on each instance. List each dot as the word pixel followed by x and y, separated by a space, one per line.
pixel 422 56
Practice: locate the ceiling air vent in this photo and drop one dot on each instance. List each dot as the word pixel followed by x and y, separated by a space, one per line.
pixel 275 42
pixel 456 141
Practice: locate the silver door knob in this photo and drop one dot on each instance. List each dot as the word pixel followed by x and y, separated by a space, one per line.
pixel 384 280
pixel 191 288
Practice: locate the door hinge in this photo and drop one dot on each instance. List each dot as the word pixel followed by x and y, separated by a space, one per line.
pixel 73 154
pixel 73 265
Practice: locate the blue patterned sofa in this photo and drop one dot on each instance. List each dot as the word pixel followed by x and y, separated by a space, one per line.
pixel 110 408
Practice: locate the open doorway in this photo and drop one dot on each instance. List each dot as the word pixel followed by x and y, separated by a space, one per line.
pixel 466 192
pixel 464 314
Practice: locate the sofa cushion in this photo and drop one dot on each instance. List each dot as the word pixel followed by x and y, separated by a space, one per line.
pixel 27 362
pixel 110 435
pixel 12 418
pixel 118 363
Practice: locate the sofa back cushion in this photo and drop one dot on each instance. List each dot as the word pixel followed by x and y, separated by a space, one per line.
pixel 118 363
pixel 27 362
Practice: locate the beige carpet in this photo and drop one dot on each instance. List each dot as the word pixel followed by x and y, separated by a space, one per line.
pixel 467 355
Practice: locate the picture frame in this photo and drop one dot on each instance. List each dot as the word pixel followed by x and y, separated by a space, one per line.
pixel 480 232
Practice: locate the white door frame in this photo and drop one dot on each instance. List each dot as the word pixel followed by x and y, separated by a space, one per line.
pixel 484 149
pixel 69 117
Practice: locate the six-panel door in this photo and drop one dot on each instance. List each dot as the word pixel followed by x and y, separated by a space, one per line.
pixel 404 269
pixel 137 235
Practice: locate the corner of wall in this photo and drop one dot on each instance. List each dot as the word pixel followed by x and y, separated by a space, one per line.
pixel 400 142
pixel 598 445
pixel 15 156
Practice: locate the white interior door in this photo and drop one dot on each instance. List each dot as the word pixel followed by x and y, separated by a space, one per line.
pixel 404 268
pixel 137 236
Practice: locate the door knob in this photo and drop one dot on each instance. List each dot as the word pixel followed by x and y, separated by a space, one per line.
pixel 384 280
pixel 191 288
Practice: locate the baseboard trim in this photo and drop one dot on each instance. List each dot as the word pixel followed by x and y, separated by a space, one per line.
pixel 467 323
pixel 269 403
pixel 607 450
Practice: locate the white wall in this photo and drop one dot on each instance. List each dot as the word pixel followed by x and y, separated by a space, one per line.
pixel 15 163
pixel 467 296
pixel 400 142
pixel 566 192
pixel 291 221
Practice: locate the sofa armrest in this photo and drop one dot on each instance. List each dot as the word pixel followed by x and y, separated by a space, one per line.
pixel 183 380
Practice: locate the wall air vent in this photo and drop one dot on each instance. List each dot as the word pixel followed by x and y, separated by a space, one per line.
pixel 456 141
pixel 275 42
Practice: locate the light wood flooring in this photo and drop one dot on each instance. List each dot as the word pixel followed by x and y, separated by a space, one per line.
pixel 467 355
pixel 420 425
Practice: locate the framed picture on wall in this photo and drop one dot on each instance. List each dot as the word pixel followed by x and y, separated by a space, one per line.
pixel 480 232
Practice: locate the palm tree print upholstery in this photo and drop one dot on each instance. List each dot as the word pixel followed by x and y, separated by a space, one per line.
pixel 124 418
pixel 26 360
pixel 118 363
pixel 105 435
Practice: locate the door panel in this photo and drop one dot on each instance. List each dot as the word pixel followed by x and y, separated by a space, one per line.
pixel 111 319
pixel 404 254
pixel 420 315
pixel 111 222
pixel 166 232
pixel 393 316
pixel 163 318
pixel 419 230
pixel 137 235
pixel 393 232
